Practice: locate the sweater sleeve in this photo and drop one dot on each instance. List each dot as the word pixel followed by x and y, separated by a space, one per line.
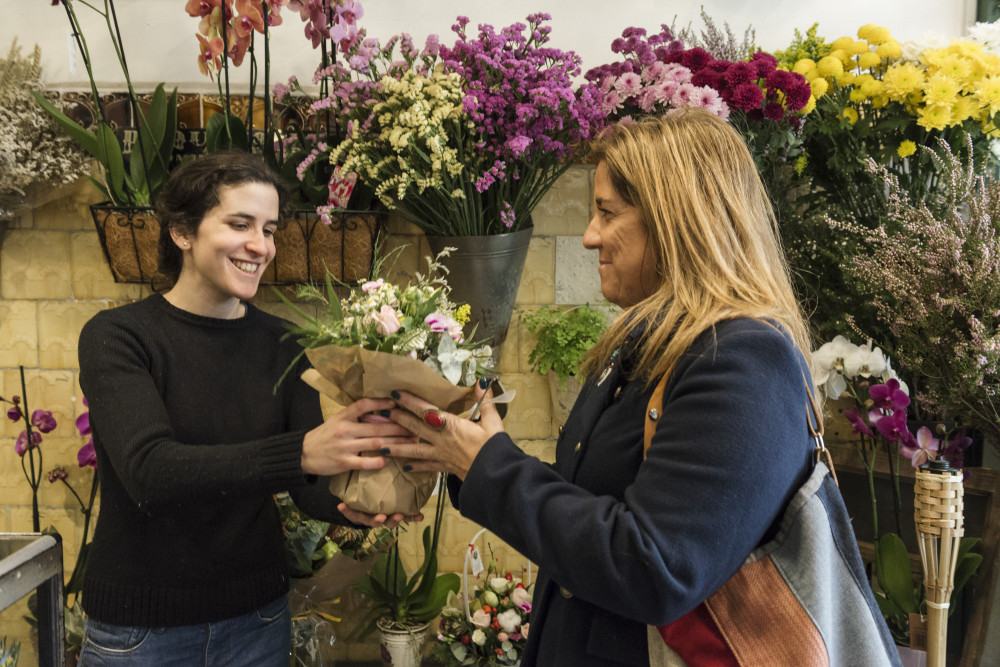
pixel 132 425
pixel 730 448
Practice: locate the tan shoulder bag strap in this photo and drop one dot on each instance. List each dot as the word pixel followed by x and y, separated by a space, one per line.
pixel 655 406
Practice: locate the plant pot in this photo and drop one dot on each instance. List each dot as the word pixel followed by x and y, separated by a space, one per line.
pixel 401 646
pixel 305 247
pixel 485 272
pixel 563 397
pixel 911 658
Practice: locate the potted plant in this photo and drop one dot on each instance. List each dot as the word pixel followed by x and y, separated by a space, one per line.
pixel 405 605
pixel 564 336
pixel 464 141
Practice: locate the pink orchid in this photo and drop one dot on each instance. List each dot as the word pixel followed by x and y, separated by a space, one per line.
pixel 923 449
pixel 21 446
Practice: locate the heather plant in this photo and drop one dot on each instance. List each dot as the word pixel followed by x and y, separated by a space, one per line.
pixel 722 42
pixel 934 283
pixel 465 140
pixel 34 155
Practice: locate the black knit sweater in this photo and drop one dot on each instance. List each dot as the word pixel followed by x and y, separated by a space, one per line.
pixel 191 444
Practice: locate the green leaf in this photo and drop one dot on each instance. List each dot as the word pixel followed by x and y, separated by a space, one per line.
pixel 966 567
pixel 896 578
pixel 109 154
pixel 79 134
pixel 217 138
pixel 444 584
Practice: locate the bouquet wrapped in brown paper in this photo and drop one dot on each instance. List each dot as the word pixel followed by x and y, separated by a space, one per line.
pixel 382 338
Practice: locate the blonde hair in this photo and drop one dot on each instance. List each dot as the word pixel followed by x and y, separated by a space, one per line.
pixel 712 231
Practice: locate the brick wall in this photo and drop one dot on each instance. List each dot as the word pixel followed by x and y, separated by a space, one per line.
pixel 54 277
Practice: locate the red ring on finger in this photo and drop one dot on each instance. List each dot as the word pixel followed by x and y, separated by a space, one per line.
pixel 434 419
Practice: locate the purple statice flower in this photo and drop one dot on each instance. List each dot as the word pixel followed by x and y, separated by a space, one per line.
pixel 518 145
pixel 432 47
pixel 507 215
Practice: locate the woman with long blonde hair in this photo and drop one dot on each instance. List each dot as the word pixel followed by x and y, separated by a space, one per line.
pixel 626 537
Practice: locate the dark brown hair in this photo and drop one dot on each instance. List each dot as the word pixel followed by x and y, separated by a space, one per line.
pixel 193 191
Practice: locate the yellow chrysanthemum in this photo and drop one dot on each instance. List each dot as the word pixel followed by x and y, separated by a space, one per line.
pixel 870 30
pixel 851 114
pixel 819 87
pixel 872 88
pixel 880 101
pixel 906 148
pixel 901 79
pixel 955 66
pixel 843 55
pixel 941 90
pixel 934 117
pixel 857 47
pixel 845 79
pixel 964 108
pixel 841 43
pixel 830 66
pixel 988 93
pixel 868 59
pixel 810 106
pixel 857 95
pixel 889 49
pixel 915 98
pixel 877 35
pixel 804 65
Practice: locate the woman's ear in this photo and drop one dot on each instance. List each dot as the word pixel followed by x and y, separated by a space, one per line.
pixel 180 239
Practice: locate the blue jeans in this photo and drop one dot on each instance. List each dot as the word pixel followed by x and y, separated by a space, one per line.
pixel 262 637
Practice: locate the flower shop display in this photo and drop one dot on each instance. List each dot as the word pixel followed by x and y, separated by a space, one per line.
pixel 878 417
pixel 932 282
pixel 464 140
pixel 380 338
pixel 877 99
pixel 35 157
pixel 736 81
pixel 564 336
pixel 487 624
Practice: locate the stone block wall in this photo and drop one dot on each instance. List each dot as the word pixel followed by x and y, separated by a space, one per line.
pixel 54 277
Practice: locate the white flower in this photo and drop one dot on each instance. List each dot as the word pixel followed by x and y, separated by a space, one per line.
pixel 499 584
pixel 524 630
pixel 912 48
pixel 478 637
pixel 987 34
pixel 864 361
pixel 481 619
pixel 509 620
pixel 828 365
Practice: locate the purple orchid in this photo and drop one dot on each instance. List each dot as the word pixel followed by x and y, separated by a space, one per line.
pixel 21 445
pixel 853 415
pixel 889 396
pixel 14 413
pixel 891 426
pixel 43 421
pixel 86 456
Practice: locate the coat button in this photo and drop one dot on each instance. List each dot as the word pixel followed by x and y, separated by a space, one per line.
pixel 561 429
pixel 654 415
pixel 565 592
pixel 618 392
pixel 576 450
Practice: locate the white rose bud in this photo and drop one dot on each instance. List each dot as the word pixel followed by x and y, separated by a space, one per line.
pixel 520 596
pixel 499 584
pixel 524 630
pixel 509 620
pixel 478 637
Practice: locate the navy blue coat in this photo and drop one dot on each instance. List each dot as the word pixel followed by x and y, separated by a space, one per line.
pixel 621 542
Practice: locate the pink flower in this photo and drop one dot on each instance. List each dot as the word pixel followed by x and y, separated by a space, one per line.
pixel 481 619
pixel 21 445
pixel 924 449
pixel 853 415
pixel 388 322
pixel 14 414
pixel 443 324
pixel 684 95
pixel 372 286
pixel 628 84
pixel 665 90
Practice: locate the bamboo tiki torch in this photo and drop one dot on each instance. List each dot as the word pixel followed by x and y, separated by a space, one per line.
pixel 940 525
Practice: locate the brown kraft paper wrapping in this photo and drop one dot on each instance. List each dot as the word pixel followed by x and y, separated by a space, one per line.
pixel 346 374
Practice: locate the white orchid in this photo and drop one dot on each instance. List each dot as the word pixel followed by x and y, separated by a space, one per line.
pixel 865 361
pixel 828 366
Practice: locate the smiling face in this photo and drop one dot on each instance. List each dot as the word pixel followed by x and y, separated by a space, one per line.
pixel 627 264
pixel 227 254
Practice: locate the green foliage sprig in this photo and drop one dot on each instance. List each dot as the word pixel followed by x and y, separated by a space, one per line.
pixel 564 338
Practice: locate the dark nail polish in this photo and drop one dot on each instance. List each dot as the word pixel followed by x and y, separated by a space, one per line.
pixel 395 395
pixel 384 450
pixel 383 413
pixel 484 383
pixel 407 468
